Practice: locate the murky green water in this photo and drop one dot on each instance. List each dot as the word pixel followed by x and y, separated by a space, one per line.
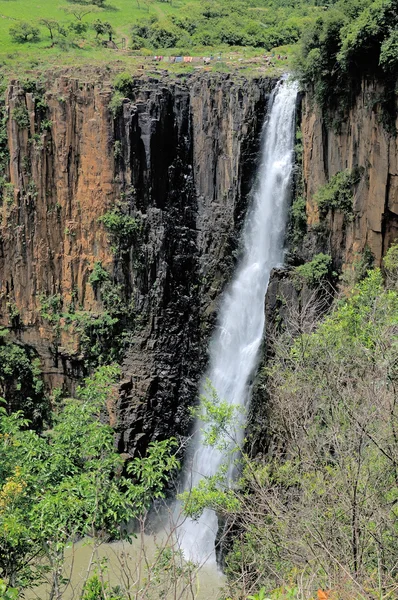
pixel 136 567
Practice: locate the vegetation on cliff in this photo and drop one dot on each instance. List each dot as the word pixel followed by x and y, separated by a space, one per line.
pixel 352 40
pixel 21 382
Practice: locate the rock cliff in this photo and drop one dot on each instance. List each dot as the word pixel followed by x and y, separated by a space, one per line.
pixel 360 140
pixel 178 158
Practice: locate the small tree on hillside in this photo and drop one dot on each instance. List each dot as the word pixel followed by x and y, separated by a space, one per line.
pixel 103 28
pixel 24 32
pixel 54 27
pixel 79 11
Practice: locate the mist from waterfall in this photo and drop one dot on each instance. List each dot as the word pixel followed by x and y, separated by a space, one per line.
pixel 234 349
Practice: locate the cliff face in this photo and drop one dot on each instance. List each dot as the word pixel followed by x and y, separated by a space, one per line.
pixel 179 157
pixel 361 140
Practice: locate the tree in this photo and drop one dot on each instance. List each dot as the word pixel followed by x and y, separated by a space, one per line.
pixel 318 510
pixel 79 11
pixel 53 27
pixel 103 28
pixel 68 483
pixel 24 32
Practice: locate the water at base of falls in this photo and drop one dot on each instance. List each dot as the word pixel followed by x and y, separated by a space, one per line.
pixel 235 345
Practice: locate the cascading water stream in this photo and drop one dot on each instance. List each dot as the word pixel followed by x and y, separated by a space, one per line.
pixel 235 345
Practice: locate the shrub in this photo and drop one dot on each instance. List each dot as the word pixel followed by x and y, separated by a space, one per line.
pixel 390 264
pixel 389 52
pixel 21 381
pixel 24 32
pixel 78 27
pixel 98 275
pixel 122 228
pixel 162 37
pixel 298 220
pixel 313 272
pixel 21 116
pixel 337 194
pixel 123 83
pixel 116 103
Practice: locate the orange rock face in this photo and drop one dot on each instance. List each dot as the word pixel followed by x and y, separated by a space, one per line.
pixel 62 180
pixel 361 141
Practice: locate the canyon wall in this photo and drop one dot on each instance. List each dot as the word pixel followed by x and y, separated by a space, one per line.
pixel 179 157
pixel 365 138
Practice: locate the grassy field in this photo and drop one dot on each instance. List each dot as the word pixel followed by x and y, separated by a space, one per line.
pixel 122 15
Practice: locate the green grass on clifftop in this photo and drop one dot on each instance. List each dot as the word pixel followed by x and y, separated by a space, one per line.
pixel 239 31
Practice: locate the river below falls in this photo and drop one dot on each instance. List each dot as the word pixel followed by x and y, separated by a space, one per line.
pixel 128 560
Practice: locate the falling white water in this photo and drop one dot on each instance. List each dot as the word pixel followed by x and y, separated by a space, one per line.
pixel 236 342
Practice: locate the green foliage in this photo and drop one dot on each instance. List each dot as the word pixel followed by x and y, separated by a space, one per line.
pixel 315 271
pixel 103 28
pixel 117 149
pixel 98 275
pixel 102 336
pixel 298 220
pixel 123 83
pixel 211 492
pixel 97 589
pixel 184 27
pixel 69 483
pixel 122 229
pixel 54 28
pixel 7 593
pixel 21 382
pixel 389 52
pixel 78 27
pixel 21 116
pixel 230 23
pixel 116 103
pixel 321 502
pixel 390 264
pixel 337 194
pixel 364 36
pixel 219 417
pixel 352 40
pixel 24 32
pixel 327 488
pixel 221 425
pixel 359 268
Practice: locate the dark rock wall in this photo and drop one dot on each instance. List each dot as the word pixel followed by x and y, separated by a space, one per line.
pixel 195 151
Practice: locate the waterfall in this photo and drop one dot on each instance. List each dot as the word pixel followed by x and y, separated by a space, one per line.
pixel 235 345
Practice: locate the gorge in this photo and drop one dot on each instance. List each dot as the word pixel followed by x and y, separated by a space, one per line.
pixel 180 157
pixel 124 203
